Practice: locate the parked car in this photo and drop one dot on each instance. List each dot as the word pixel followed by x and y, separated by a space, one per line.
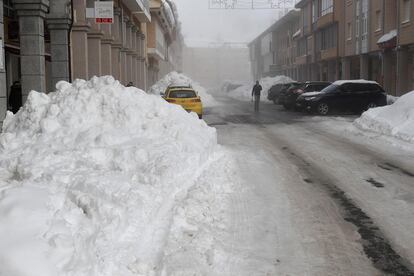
pixel 273 94
pixel 185 96
pixel 290 97
pixel 283 94
pixel 352 95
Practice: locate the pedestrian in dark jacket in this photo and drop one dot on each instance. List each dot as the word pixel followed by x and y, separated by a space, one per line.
pixel 15 98
pixel 257 89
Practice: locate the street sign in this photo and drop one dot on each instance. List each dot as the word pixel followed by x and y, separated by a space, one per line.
pixel 104 12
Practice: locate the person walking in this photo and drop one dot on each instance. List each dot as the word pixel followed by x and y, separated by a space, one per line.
pixel 257 89
pixel 15 97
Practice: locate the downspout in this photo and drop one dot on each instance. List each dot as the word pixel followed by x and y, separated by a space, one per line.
pixel 398 48
pixel 70 40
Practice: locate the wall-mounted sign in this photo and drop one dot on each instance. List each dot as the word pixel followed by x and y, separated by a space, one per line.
pixel 1 54
pixel 104 12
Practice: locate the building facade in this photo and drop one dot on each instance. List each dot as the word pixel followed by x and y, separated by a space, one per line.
pixel 344 39
pixel 165 42
pixel 45 41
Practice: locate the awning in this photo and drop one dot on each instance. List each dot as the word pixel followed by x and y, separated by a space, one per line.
pixel 388 40
pixel 387 37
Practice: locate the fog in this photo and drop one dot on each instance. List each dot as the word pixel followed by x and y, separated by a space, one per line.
pixel 202 26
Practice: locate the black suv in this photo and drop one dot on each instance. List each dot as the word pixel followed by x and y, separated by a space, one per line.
pixel 289 98
pixel 352 95
pixel 273 94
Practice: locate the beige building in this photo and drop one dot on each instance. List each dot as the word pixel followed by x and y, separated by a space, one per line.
pixel 164 40
pixel 344 39
pixel 45 41
pixel 117 49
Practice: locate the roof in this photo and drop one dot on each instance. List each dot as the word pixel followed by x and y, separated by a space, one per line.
pixel 290 15
pixel 301 3
pixel 341 82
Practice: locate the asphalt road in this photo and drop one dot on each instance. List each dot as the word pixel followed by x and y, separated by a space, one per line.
pixel 316 202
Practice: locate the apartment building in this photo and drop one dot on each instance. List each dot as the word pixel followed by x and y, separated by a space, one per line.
pixel 165 42
pixel 273 51
pixel 348 39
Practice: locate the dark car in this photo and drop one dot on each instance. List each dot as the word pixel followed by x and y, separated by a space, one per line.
pixel 283 93
pixel 273 94
pixel 353 95
pixel 289 99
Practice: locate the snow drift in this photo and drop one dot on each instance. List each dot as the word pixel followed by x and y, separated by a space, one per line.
pixel 395 120
pixel 88 179
pixel 245 92
pixel 174 78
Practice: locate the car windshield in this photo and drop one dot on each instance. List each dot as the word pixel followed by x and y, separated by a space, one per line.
pixel 182 94
pixel 330 89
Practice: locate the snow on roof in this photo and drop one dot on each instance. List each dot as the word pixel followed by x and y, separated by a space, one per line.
pixel 341 82
pixel 298 32
pixel 387 37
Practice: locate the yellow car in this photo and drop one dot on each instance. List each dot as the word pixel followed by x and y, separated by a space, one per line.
pixel 186 97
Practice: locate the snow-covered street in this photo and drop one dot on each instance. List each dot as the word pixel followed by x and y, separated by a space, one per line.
pixel 101 179
pixel 314 196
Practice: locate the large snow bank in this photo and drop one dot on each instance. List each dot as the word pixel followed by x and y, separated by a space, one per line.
pixel 89 177
pixel 395 120
pixel 174 78
pixel 245 92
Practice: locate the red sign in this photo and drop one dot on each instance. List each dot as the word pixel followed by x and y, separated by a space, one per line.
pixel 103 20
pixel 104 12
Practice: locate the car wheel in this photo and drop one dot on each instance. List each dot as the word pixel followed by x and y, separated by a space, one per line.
pixel 371 105
pixel 322 109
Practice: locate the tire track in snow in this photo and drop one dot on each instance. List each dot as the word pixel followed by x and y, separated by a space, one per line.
pixel 375 245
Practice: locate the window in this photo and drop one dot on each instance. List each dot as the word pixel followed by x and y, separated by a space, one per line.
pixel 364 18
pixel 182 94
pixel 8 8
pixel 326 7
pixel 305 17
pixel 302 47
pixel 378 20
pixel 314 11
pixel 406 15
pixel 349 30
pixel 328 38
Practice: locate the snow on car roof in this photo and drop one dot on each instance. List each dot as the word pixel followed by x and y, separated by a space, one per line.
pixel 341 82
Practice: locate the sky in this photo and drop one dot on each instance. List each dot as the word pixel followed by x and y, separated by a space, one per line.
pixel 202 25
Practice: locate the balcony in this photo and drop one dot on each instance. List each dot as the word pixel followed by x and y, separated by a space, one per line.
pixel 301 60
pixel 140 9
pixel 325 20
pixel 329 53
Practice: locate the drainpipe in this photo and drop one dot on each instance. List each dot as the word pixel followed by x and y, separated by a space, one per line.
pixel 398 48
pixel 70 40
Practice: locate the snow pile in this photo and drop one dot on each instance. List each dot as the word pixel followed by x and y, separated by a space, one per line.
pixel 89 177
pixel 395 120
pixel 174 78
pixel 391 99
pixel 201 224
pixel 245 92
pixel 228 85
